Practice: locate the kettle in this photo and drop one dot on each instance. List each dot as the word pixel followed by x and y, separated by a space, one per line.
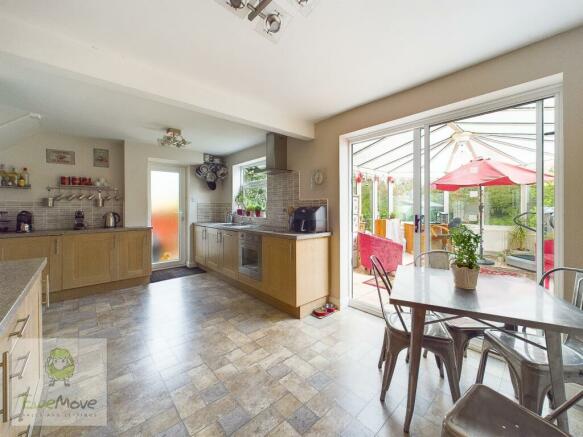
pixel 111 219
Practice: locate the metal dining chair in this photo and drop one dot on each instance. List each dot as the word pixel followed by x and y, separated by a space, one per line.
pixel 397 337
pixel 483 412
pixel 526 356
pixel 461 329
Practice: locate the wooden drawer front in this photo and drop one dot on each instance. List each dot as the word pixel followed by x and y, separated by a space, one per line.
pixel 88 259
pixel 279 268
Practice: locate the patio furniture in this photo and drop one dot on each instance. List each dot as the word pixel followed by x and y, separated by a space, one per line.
pixel 397 337
pixel 502 299
pixel 389 252
pixel 485 413
pixel 526 358
pixel 462 329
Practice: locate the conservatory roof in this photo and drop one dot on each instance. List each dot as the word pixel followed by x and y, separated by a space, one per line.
pixel 507 136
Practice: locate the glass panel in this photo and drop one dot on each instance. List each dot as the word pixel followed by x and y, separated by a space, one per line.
pixel 549 190
pixel 382 170
pixel 165 215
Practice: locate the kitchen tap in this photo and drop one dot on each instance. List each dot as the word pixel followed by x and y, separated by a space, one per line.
pixel 230 217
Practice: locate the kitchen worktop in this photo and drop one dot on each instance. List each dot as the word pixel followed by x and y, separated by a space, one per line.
pixel 237 227
pixel 16 278
pixel 59 232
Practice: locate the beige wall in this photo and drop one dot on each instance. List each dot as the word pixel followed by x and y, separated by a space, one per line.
pixel 559 54
pixel 31 153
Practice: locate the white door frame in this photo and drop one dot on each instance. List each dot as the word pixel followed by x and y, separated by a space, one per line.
pixel 543 88
pixel 181 170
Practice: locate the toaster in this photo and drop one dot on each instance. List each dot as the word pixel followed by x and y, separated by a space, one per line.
pixel 310 219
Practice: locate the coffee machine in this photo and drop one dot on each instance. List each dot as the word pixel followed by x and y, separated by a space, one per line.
pixel 24 221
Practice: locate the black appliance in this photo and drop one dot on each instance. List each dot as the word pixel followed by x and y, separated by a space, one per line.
pixel 310 219
pixel 79 221
pixel 24 221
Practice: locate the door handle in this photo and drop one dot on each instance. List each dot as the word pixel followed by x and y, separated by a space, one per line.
pixel 417 221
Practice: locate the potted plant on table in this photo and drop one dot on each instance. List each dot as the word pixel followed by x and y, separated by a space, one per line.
pixel 465 266
pixel 240 201
pixel 257 211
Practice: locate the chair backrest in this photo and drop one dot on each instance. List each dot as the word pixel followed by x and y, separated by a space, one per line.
pixel 577 298
pixel 381 274
pixel 437 259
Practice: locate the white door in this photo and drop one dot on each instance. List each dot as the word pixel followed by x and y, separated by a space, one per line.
pixel 166 215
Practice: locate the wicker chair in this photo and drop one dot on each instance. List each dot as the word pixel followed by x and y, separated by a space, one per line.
pixel 397 337
pixel 482 412
pixel 527 363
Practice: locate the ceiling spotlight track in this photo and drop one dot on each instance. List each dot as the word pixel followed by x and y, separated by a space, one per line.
pixel 257 10
pixel 274 18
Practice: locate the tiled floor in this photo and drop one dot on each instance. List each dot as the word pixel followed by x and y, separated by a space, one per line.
pixel 196 356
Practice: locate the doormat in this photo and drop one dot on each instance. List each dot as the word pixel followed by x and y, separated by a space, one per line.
pixel 177 272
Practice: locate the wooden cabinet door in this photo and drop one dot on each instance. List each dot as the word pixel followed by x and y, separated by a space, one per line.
pixel 134 254
pixel 213 255
pixel 230 263
pixel 88 259
pixel 200 246
pixel 36 247
pixel 279 268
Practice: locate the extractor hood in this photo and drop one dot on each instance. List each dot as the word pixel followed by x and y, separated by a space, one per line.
pixel 276 154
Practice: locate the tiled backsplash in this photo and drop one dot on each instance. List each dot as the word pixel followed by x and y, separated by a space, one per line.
pixel 283 191
pixel 62 215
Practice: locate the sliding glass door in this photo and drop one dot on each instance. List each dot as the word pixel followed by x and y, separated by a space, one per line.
pixel 167 215
pixel 493 172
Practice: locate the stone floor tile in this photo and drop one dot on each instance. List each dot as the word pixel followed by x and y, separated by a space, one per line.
pixel 284 429
pixel 234 420
pixel 319 380
pixel 287 405
pixel 214 393
pixel 261 424
pixel 298 387
pixel 303 419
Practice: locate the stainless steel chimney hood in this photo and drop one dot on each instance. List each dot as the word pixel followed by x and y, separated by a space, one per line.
pixel 276 153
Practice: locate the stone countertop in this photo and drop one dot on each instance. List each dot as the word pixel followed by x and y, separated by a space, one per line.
pixel 16 278
pixel 261 230
pixel 58 232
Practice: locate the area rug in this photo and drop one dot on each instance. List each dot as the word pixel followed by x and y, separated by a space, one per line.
pixel 177 272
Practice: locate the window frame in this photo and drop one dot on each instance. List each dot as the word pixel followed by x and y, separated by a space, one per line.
pixel 238 176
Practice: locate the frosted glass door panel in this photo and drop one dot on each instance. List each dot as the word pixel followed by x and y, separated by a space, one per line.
pixel 165 215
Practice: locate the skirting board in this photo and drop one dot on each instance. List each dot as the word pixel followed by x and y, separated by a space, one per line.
pixel 74 293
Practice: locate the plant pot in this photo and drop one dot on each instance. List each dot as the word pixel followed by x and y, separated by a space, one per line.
pixel 257 213
pixel 239 211
pixel 248 213
pixel 465 278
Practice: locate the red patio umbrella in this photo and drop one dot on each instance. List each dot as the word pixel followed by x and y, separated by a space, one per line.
pixel 482 173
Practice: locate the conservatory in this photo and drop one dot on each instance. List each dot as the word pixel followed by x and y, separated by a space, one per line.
pixel 480 172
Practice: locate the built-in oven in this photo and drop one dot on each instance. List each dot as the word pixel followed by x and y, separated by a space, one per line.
pixel 250 255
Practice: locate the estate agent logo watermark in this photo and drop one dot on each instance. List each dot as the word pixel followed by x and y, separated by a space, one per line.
pixel 74 389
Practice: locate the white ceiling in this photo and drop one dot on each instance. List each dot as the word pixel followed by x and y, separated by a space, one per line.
pixel 78 108
pixel 344 54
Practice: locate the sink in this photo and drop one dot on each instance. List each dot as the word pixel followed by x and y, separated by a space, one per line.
pixel 235 225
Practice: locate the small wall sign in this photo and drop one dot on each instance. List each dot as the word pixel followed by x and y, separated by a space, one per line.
pixel 60 157
pixel 100 158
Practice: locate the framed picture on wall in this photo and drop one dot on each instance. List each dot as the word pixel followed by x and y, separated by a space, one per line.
pixel 60 157
pixel 100 158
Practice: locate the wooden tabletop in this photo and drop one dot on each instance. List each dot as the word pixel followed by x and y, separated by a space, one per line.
pixel 498 298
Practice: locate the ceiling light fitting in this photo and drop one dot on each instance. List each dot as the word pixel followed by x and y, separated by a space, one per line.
pixel 273 17
pixel 173 138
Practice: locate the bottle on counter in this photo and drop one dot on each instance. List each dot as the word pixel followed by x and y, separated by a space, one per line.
pixel 3 176
pixel 24 180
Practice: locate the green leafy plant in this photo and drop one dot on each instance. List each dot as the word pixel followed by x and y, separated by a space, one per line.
pixel 240 198
pixel 517 237
pixel 392 215
pixel 465 243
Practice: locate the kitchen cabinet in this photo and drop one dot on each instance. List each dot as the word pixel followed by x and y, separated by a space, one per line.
pixel 36 247
pixel 214 252
pixel 294 271
pixel 279 269
pixel 200 246
pixel 134 254
pixel 230 254
pixel 21 349
pixel 89 259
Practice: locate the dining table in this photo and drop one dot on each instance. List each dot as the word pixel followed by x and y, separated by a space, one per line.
pixel 497 298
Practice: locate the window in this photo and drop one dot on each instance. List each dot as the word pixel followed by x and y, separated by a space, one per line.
pixel 250 185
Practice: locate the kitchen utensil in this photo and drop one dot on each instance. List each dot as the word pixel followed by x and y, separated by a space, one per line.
pixel 81 196
pixel 65 180
pixel 71 197
pixel 111 219
pixel 91 196
pixel 74 180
